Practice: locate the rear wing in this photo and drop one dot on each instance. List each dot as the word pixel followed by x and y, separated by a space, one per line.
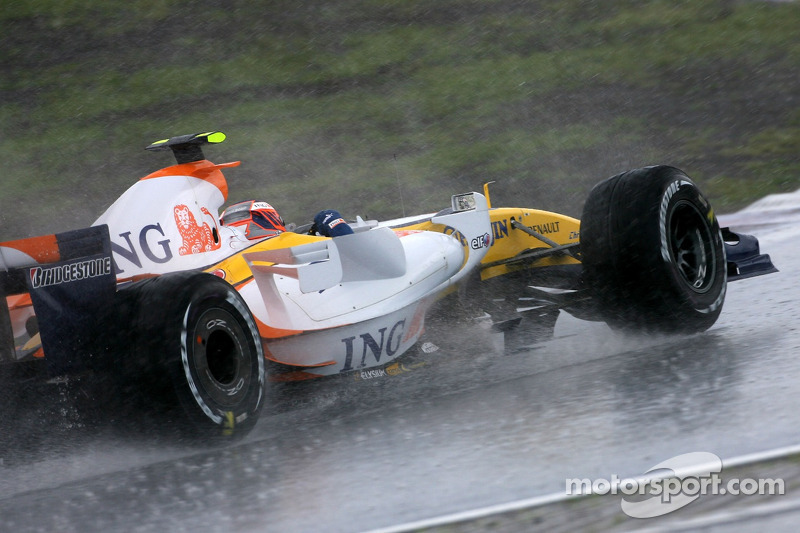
pixel 188 148
pixel 55 287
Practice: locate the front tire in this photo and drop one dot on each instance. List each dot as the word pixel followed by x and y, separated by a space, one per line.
pixel 652 252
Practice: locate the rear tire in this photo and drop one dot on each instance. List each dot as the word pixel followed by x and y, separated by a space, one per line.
pixel 195 332
pixel 652 252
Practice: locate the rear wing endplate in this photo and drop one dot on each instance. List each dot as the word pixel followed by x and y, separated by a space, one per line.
pixel 70 279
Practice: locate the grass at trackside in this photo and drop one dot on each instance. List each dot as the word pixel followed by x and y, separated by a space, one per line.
pixel 343 102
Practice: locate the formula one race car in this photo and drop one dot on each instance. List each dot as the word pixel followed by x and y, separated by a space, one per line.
pixel 158 290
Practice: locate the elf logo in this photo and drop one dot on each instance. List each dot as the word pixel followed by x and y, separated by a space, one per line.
pixel 481 242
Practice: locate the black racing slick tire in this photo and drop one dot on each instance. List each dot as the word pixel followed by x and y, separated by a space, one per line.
pixel 196 332
pixel 652 252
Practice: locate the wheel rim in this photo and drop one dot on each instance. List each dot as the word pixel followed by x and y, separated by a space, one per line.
pixel 692 247
pixel 223 364
pixel 221 357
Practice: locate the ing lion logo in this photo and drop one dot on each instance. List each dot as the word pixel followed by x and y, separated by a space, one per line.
pixel 196 238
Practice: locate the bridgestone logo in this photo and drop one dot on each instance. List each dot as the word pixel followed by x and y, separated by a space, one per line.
pixel 44 277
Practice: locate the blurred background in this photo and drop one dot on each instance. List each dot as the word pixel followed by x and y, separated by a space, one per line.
pixel 346 103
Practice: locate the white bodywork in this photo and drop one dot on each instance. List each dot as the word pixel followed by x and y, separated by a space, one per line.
pixel 157 220
pixel 345 303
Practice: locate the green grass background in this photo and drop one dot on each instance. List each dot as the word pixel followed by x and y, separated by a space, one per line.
pixel 344 103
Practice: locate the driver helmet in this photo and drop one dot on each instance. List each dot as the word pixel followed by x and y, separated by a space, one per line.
pixel 256 219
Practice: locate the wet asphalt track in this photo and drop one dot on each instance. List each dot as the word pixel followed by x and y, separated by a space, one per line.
pixel 460 429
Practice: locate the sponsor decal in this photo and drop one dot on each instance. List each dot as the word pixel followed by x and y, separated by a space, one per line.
pixel 392 370
pixel 574 235
pixel 130 254
pixel 484 241
pixel 217 322
pixel 500 229
pixel 332 224
pixel 395 369
pixel 545 228
pixel 385 344
pixel 399 368
pixel 372 374
pixel 666 199
pixel 44 276
pixel 429 347
pixel 262 205
pixel 662 215
pixel 196 238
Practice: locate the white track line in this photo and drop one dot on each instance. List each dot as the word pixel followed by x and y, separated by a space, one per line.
pixel 538 501
pixel 734 517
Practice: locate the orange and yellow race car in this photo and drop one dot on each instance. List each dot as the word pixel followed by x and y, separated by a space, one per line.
pixel 161 289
